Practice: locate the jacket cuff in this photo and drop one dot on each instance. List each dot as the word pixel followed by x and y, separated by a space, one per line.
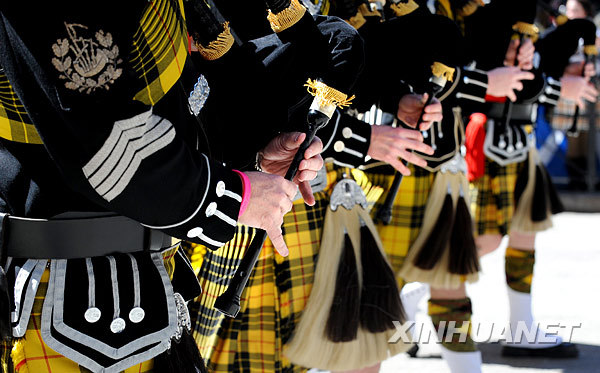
pixel 551 92
pixel 349 142
pixel 472 86
pixel 214 219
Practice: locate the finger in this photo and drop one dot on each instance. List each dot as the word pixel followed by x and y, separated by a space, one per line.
pixel 307 193
pixel 306 175
pixel 415 145
pixel 424 98
pixel 524 75
pixel 277 240
pixel 433 117
pixel 580 103
pixel 412 158
pixel 313 164
pixel 293 140
pixel 435 107
pixel 517 85
pixel 426 125
pixel 511 96
pixel 403 133
pixel 315 148
pixel 591 97
pixel 399 166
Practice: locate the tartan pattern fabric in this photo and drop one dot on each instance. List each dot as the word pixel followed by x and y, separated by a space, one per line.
pixel 276 294
pixel 492 197
pixel 407 213
pixel 159 49
pixel 31 355
pixel 15 124
pixel 518 266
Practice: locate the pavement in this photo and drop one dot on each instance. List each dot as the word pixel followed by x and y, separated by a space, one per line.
pixel 566 289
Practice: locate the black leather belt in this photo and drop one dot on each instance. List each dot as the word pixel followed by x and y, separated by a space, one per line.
pixel 69 238
pixel 520 112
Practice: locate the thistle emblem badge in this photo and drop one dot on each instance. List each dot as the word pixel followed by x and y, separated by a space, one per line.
pixel 86 64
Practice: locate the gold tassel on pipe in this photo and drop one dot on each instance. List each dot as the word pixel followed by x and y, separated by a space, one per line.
pixel 442 71
pixel 527 29
pixel 287 17
pixel 327 95
pixel 590 50
pixel 218 47
pixel 561 19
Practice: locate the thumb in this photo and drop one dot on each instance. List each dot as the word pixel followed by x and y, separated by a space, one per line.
pixel 276 237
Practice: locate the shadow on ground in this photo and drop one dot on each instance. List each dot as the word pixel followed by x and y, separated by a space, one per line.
pixel 587 362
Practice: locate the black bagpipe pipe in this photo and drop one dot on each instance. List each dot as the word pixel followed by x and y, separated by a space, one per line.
pixel 229 302
pixel 384 214
pixel 574 130
pixel 524 32
pixel 292 23
pixel 447 47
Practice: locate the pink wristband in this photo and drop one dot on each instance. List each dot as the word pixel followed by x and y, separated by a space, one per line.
pixel 246 191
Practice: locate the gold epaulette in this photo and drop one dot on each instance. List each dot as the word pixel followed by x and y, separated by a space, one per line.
pixel 218 47
pixel 287 17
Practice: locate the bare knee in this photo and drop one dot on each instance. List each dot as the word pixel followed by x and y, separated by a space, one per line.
pixel 521 240
pixel 487 243
pixel 457 293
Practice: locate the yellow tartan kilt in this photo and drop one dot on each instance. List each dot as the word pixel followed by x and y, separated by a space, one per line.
pixel 492 197
pixel 407 213
pixel 276 294
pixel 31 355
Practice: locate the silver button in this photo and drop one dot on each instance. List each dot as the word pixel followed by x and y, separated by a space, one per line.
pixel 220 189
pixel 92 315
pixel 194 232
pixel 347 132
pixel 339 146
pixel 210 209
pixel 117 325
pixel 136 314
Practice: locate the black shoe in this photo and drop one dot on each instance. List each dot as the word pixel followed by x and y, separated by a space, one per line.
pixel 413 351
pixel 562 351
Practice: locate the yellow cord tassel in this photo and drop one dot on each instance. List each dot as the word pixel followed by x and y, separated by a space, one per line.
pixel 561 19
pixel 402 9
pixel 287 17
pixel 470 8
pixel 218 47
pixel 442 71
pixel 327 95
pixel 527 29
pixel 590 50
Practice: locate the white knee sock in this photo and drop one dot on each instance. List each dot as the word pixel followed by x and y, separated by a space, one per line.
pixel 462 362
pixel 523 326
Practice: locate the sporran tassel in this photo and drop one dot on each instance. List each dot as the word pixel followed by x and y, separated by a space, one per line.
pixel 463 251
pixel 342 323
pixel 534 201
pixel 433 248
pixel 380 303
pixel 182 357
pixel 539 205
pixel 429 257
